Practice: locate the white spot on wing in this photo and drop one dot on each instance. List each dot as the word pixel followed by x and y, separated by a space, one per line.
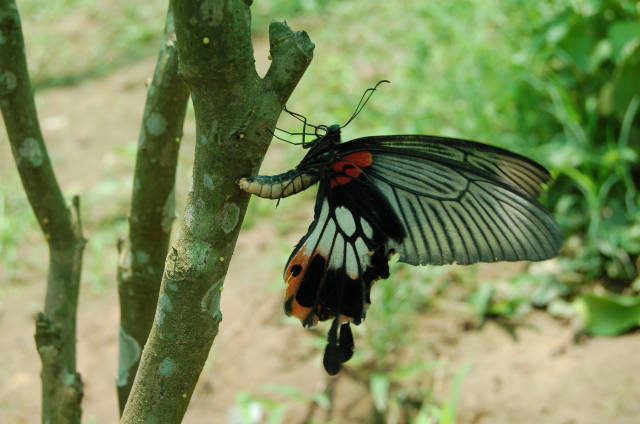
pixel 337 255
pixel 363 253
pixel 345 220
pixel 352 263
pixel 324 247
pixel 366 228
pixel 312 240
pixel 314 237
pixel 324 212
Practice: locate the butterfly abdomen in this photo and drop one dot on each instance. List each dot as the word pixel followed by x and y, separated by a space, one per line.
pixel 277 186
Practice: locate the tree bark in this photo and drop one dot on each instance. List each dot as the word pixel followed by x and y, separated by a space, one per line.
pixel 142 253
pixel 55 328
pixel 234 111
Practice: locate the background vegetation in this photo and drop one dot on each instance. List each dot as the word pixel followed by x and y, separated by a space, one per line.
pixel 555 80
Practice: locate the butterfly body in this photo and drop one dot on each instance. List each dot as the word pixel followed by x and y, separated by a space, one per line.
pixel 432 200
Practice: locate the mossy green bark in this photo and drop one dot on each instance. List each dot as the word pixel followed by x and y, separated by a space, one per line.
pixel 234 110
pixel 60 223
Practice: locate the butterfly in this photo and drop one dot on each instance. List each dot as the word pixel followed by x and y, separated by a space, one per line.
pixel 431 200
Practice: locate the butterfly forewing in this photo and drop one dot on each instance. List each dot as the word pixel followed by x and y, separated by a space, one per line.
pixel 454 211
pixel 516 169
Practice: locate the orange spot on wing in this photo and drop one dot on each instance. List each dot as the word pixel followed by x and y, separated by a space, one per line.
pixel 301 312
pixel 293 282
pixel 345 319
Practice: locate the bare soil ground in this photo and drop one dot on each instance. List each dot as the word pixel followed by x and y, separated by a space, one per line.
pixel 543 378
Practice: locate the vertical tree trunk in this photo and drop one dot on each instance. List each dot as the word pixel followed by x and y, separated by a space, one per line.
pixel 143 252
pixel 234 111
pixel 56 327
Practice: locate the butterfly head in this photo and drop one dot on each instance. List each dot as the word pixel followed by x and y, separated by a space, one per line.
pixel 332 134
pixel 326 136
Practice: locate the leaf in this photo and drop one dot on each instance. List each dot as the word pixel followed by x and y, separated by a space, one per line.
pixel 379 387
pixel 481 298
pixel 627 85
pixel 608 315
pixel 290 392
pixel 322 400
pixel 548 290
pixel 578 43
pixel 624 37
pixel 450 407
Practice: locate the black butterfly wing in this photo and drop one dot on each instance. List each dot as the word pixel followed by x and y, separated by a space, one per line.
pixel 459 201
pixel 331 270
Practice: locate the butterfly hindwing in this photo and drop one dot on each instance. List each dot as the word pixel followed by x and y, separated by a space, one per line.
pixel 330 272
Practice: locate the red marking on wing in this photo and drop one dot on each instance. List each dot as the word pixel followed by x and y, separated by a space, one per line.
pixel 340 180
pixel 359 159
pixel 352 172
pixel 350 165
pixel 354 161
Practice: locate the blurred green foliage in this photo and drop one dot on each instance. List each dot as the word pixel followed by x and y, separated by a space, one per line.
pixel 69 41
pixel 584 86
pixel 15 220
pixel 608 315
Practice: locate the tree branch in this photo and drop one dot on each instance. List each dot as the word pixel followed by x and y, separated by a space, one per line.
pixel 142 254
pixel 234 110
pixel 290 52
pixel 56 328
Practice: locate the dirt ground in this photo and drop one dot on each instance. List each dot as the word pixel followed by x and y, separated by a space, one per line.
pixel 543 378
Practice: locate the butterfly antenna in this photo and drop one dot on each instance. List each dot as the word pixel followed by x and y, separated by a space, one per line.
pixel 363 101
